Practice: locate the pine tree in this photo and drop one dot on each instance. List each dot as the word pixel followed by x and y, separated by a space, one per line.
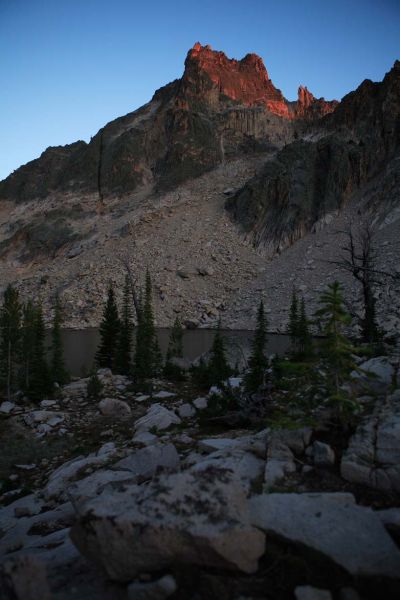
pixel 293 325
pixel 304 336
pixel 336 349
pixel 218 366
pixel 109 332
pixel 157 358
pixel 27 344
pixel 124 349
pixel 58 371
pixel 175 345
pixel 10 329
pixel 172 370
pixel 258 361
pixel 147 354
pixel 40 381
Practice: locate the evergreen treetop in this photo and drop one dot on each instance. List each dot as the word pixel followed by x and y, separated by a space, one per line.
pixel 10 329
pixel 258 361
pixel 124 349
pixel 218 366
pixel 147 353
pixel 336 350
pixel 58 371
pixel 293 325
pixel 109 332
pixel 40 381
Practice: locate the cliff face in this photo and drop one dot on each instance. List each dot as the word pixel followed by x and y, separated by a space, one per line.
pixel 220 108
pixel 309 179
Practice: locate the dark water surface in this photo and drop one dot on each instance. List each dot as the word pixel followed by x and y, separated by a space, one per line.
pixel 80 345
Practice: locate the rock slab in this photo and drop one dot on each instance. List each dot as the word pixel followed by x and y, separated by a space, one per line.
pixel 185 518
pixel 351 536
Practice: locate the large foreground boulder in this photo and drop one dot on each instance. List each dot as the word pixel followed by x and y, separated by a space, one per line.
pixel 351 536
pixel 180 519
pixel 373 455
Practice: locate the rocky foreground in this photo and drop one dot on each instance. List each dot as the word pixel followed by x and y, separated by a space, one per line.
pixel 157 499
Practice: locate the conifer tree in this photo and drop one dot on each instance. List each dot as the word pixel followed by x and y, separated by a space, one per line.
pixel 27 344
pixel 157 358
pixel 336 349
pixel 109 332
pixel 147 354
pixel 175 345
pixel 10 330
pixel 293 325
pixel 218 366
pixel 58 371
pixel 172 370
pixel 304 336
pixel 124 349
pixel 258 361
pixel 39 382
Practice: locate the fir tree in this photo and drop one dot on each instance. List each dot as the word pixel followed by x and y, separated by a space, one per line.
pixel 39 381
pixel 175 345
pixel 218 366
pixel 157 358
pixel 172 370
pixel 336 349
pixel 109 332
pixel 147 354
pixel 124 349
pixel 293 325
pixel 94 387
pixel 58 371
pixel 304 336
pixel 27 344
pixel 258 361
pixel 10 329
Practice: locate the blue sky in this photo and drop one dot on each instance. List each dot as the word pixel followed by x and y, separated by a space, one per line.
pixel 67 67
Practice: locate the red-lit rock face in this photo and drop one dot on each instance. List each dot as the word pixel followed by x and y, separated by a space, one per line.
pixel 307 106
pixel 216 79
pixel 245 81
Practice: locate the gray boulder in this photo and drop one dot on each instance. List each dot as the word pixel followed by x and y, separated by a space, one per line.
pixel 75 469
pixel 323 455
pixel 280 462
pixel 375 374
pixel 94 484
pixel 145 462
pixel 186 411
pixel 295 439
pixel 7 407
pixel 185 518
pixel 373 455
pixel 157 417
pixel 390 517
pixel 155 590
pixel 111 407
pixel 351 536
pixel 24 578
pixel 244 465
pixel 307 592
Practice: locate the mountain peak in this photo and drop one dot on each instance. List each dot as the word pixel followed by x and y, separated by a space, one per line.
pixel 244 81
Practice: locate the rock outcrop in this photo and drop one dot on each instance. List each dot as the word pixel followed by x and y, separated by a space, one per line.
pixel 219 108
pixel 311 178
